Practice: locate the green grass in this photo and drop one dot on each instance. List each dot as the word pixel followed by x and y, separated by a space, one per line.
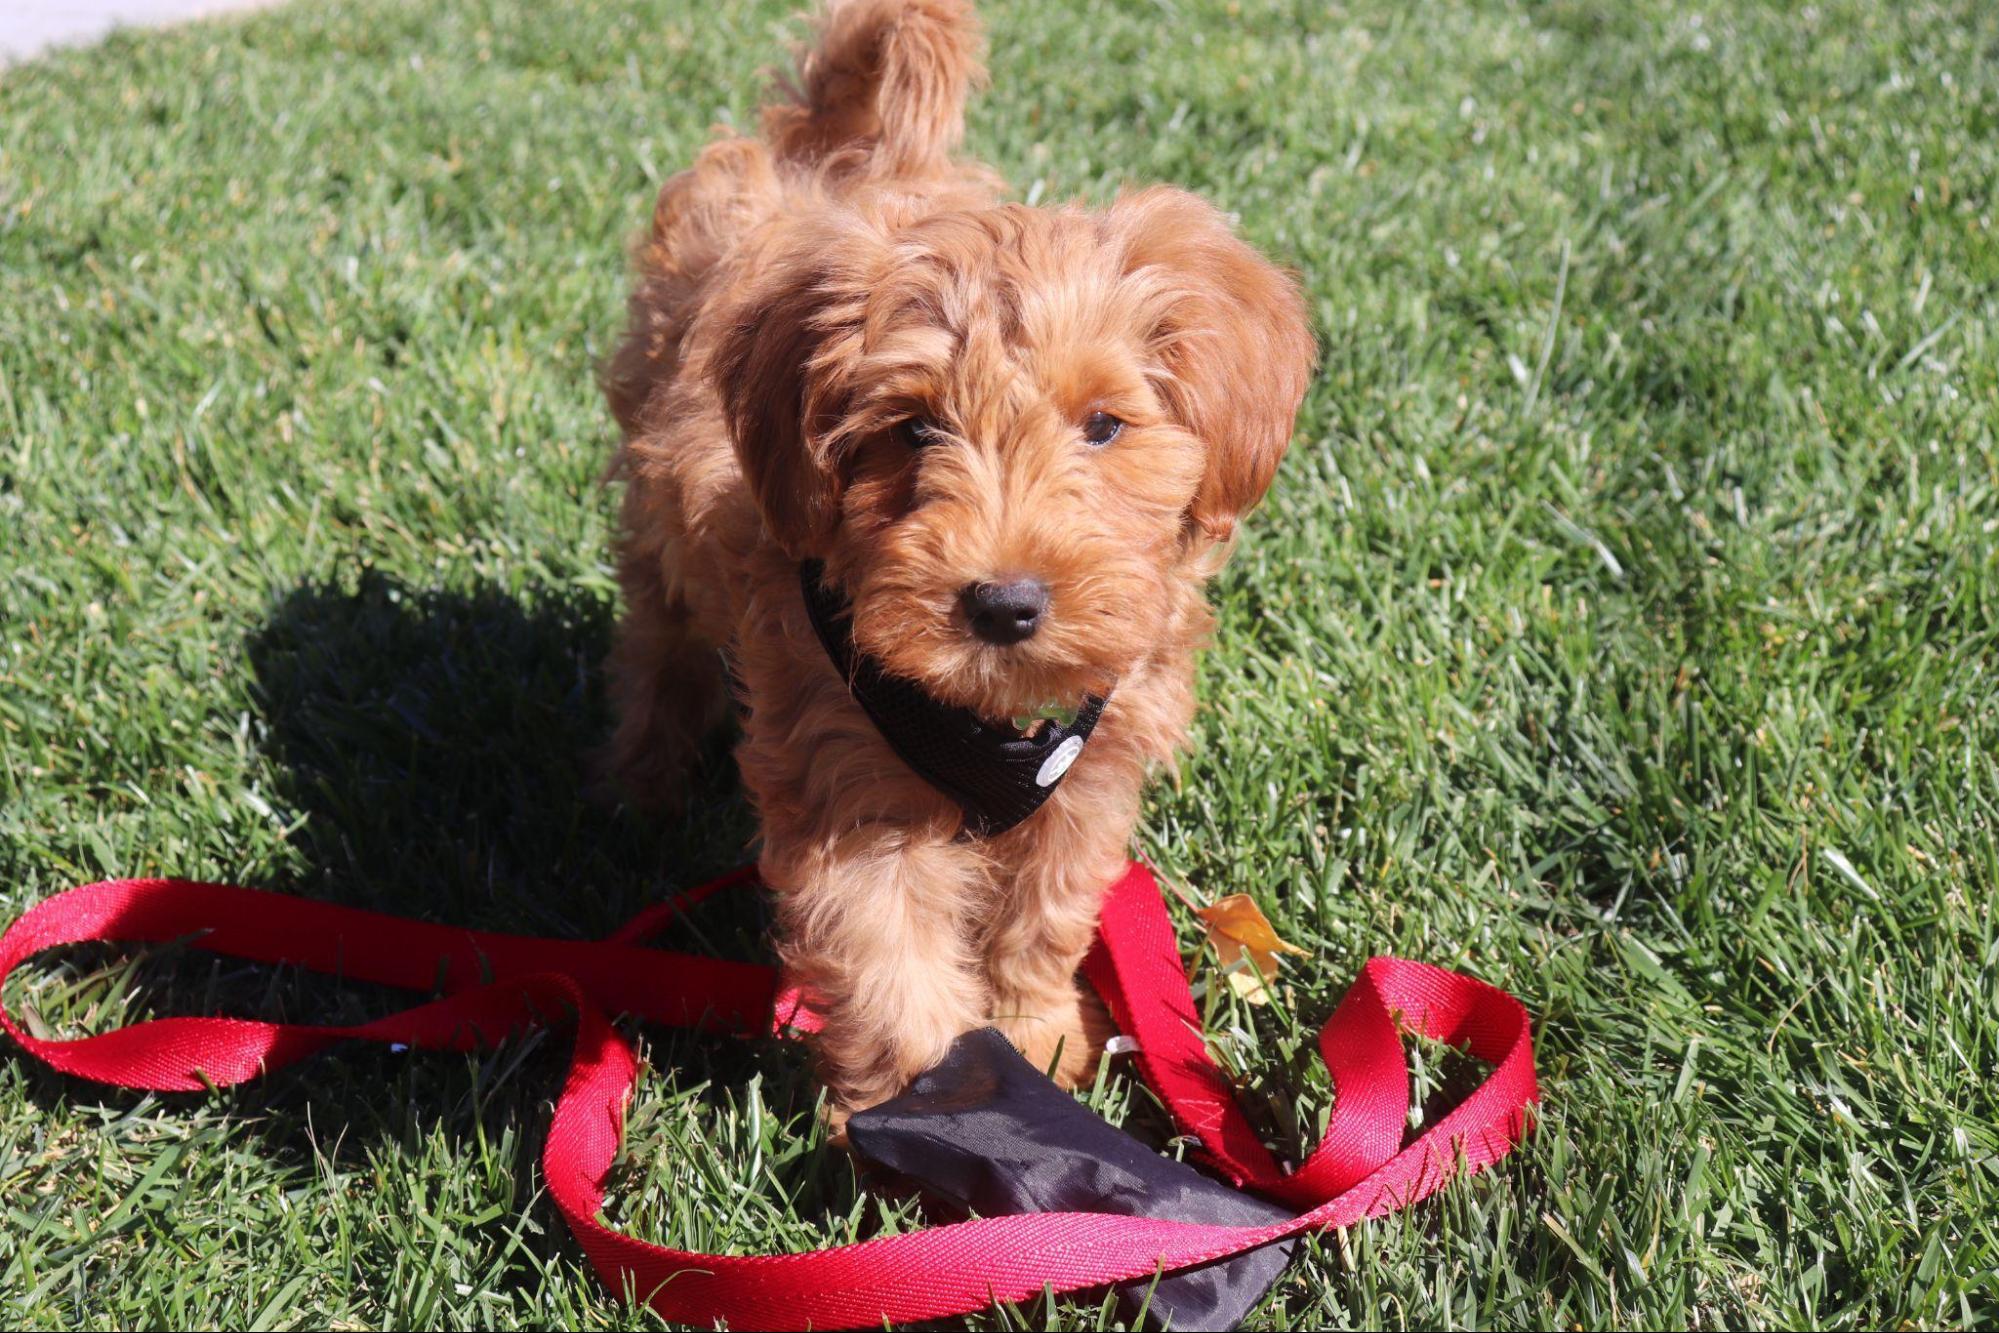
pixel 1624 627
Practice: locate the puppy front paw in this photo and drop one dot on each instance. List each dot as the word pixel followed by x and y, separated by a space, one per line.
pixel 863 1069
pixel 1062 1032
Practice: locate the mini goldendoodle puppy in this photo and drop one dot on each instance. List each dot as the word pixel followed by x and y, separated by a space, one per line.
pixel 934 483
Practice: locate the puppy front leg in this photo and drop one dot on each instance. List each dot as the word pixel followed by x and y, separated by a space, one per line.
pixel 1037 943
pixel 876 927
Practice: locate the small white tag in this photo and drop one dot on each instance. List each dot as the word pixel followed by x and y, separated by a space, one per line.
pixel 1057 763
pixel 1121 1045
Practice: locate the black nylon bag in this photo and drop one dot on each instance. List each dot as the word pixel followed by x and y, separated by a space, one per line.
pixel 985 1132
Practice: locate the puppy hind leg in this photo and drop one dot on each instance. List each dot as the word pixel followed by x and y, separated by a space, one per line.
pixel 666 684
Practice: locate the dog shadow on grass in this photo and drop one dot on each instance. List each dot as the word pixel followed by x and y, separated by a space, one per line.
pixel 431 751
pixel 437 745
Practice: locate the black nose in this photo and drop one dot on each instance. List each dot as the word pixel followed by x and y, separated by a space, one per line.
pixel 1006 612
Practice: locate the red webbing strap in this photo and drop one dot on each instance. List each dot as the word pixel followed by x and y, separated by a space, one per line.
pixel 1136 967
pixel 500 984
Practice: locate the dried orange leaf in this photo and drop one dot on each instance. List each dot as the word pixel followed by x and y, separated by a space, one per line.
pixel 1248 974
pixel 1238 930
pixel 1250 987
pixel 1238 917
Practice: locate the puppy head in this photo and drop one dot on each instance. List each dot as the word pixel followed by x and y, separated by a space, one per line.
pixel 1009 432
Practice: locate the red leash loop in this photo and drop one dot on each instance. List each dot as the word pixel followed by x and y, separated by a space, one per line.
pixel 501 984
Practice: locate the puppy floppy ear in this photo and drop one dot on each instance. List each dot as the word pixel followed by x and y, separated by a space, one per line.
pixel 1230 330
pixel 780 365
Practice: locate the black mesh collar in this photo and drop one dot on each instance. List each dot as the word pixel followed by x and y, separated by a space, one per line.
pixel 997 776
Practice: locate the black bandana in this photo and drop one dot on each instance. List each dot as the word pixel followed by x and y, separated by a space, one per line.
pixel 997 776
pixel 984 1132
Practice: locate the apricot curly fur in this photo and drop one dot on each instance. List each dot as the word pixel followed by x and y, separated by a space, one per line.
pixel 798 295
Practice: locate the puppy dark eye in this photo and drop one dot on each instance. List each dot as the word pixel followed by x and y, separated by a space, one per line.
pixel 1101 428
pixel 918 432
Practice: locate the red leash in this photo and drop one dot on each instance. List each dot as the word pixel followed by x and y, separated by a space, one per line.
pixel 501 984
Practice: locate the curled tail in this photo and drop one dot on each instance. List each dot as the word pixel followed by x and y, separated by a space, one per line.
pixel 881 88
